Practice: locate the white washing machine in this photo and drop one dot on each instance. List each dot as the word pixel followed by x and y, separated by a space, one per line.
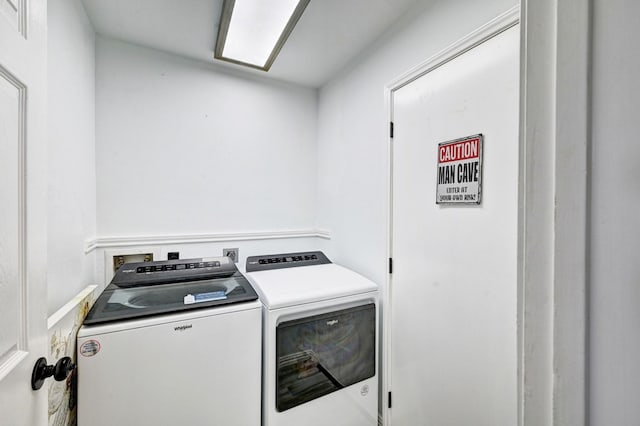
pixel 172 343
pixel 320 341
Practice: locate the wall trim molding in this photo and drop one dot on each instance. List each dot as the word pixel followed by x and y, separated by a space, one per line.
pixel 150 240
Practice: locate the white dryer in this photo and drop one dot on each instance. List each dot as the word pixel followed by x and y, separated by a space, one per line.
pixel 320 341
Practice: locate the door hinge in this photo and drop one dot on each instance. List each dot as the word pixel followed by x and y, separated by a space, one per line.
pixel 390 265
pixel 391 129
pixel 389 400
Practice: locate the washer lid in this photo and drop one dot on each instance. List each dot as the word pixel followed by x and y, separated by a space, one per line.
pixel 119 303
pixel 279 288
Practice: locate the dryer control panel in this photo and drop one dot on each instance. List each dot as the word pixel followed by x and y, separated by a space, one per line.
pixel 285 260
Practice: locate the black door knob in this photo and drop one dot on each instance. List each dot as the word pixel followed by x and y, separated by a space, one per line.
pixel 41 371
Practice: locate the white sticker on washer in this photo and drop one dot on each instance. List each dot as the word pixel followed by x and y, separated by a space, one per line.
pixel 90 348
pixel 204 297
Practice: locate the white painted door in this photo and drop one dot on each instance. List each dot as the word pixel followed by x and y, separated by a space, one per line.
pixel 23 171
pixel 453 289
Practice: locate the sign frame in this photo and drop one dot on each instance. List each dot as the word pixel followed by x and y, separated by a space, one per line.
pixel 464 161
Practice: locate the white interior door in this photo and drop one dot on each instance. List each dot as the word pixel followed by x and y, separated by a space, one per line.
pixel 23 171
pixel 453 290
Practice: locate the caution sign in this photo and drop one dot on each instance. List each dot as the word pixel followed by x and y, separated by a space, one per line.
pixel 460 171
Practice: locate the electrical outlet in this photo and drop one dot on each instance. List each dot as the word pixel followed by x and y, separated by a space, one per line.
pixel 231 253
pixel 121 259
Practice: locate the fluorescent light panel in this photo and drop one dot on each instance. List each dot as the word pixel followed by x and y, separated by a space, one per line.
pixel 252 32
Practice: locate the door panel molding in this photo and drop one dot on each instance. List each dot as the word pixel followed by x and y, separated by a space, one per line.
pixel 13 92
pixel 15 12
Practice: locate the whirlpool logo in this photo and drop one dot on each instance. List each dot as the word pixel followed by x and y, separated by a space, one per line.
pixel 332 322
pixel 183 327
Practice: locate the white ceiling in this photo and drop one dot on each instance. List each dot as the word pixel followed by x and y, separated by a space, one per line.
pixel 329 34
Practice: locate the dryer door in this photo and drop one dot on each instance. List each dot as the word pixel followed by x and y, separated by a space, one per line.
pixel 320 354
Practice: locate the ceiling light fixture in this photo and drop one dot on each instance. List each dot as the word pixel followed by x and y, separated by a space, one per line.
pixel 252 32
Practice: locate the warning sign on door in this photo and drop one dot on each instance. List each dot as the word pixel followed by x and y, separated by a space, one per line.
pixel 460 171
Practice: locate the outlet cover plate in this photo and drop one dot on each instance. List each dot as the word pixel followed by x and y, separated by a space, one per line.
pixel 232 253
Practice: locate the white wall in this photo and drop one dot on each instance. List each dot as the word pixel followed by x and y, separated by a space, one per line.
pixel 185 147
pixel 615 203
pixel 71 151
pixel 352 128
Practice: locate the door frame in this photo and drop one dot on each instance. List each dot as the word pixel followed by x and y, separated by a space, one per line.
pixel 555 144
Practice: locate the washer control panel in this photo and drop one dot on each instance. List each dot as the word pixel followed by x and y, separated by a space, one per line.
pixel 285 260
pixel 171 271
